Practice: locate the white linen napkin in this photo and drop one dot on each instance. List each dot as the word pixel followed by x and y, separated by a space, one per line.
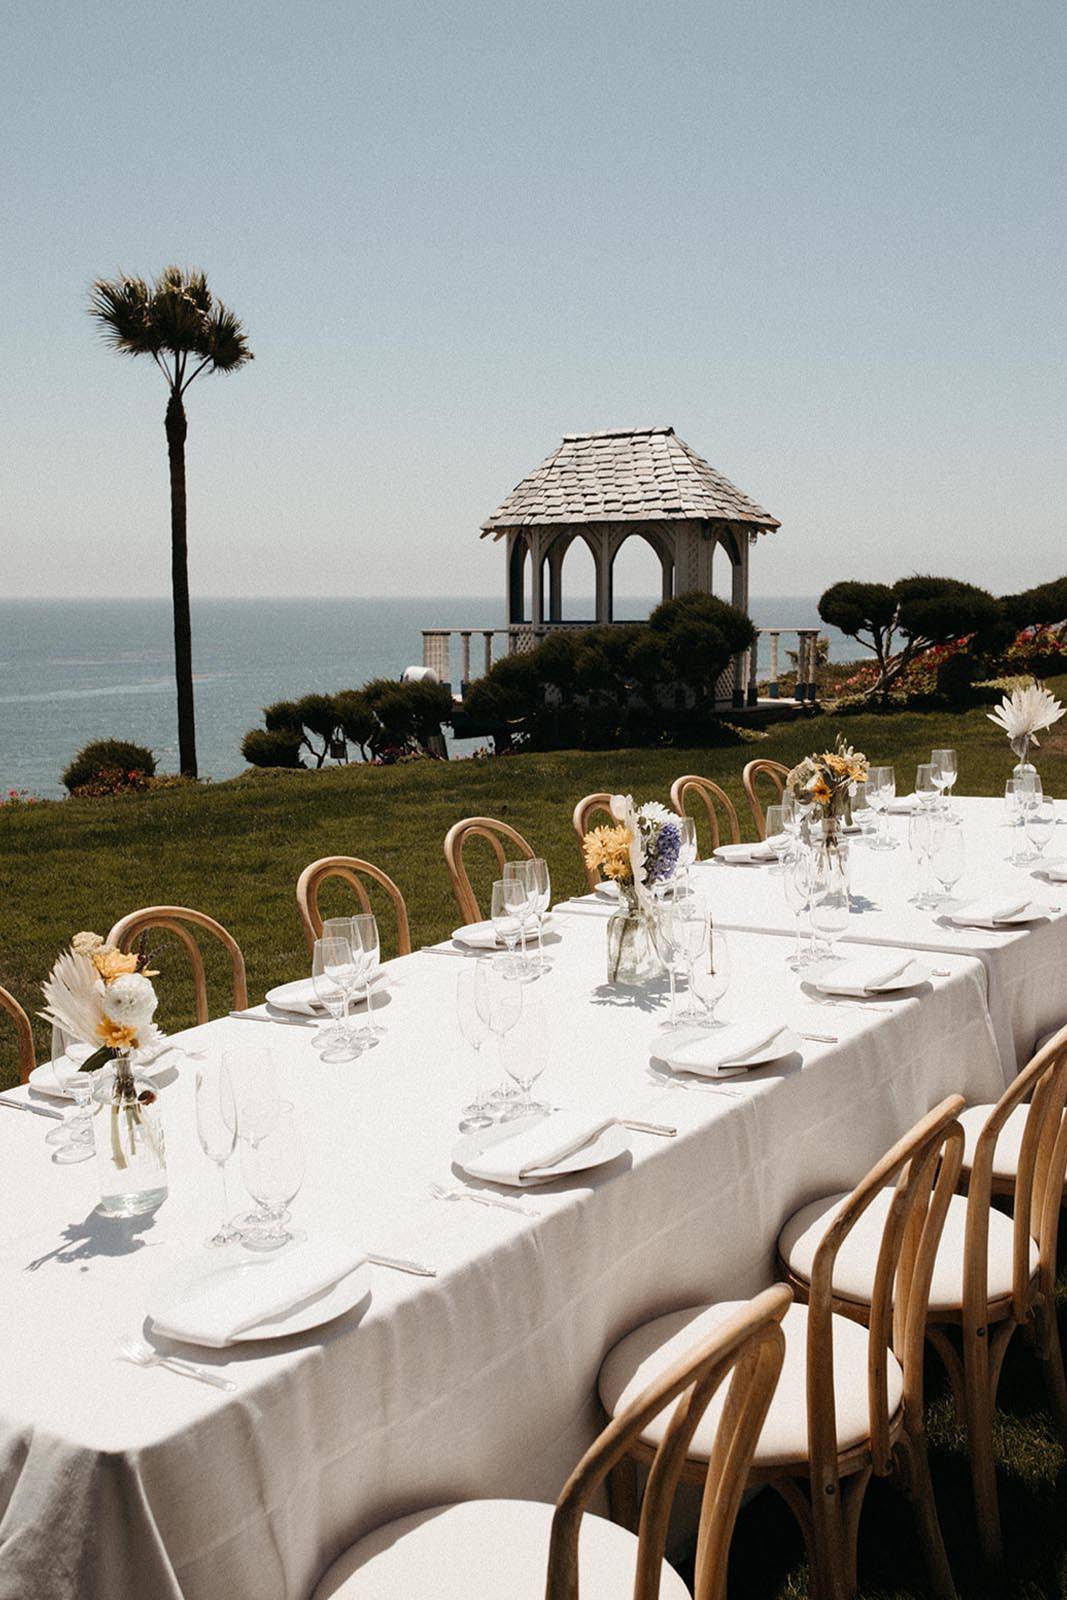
pixel 860 974
pixel 1055 871
pixel 901 804
pixel 761 850
pixel 297 996
pixel 711 1053
pixel 241 1294
pixel 990 910
pixel 536 1150
pixel 482 935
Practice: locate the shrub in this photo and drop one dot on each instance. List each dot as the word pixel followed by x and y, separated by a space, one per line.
pixel 114 757
pixel 273 747
pixel 409 714
pixel 901 622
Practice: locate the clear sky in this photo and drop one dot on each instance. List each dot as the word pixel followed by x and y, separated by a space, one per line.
pixel 825 240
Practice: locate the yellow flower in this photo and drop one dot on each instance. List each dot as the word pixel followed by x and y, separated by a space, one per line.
pixel 837 764
pixel 821 791
pixel 116 1035
pixel 608 850
pixel 111 963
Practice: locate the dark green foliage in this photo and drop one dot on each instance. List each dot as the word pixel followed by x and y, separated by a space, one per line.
pixel 1046 603
pixel 282 714
pixel 409 713
pixel 355 718
pixel 899 621
pixel 108 756
pixel 382 716
pixel 272 747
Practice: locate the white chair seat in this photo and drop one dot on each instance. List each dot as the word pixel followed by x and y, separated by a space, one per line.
pixel 649 1350
pixel 857 1259
pixel 484 1550
pixel 1009 1140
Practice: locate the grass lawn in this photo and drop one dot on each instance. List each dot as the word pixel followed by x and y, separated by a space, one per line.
pixel 235 849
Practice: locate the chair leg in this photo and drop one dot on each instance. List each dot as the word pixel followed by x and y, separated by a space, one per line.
pixel 1051 1356
pixel 623 1498
pixel 833 1552
pixel 979 1403
pixel 852 1496
pixel 920 1492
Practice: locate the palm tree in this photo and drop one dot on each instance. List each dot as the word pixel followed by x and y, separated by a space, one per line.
pixel 186 331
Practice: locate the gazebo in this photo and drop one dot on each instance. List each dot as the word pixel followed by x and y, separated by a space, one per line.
pixel 605 488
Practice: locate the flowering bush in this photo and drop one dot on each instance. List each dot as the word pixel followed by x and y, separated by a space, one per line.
pixel 18 797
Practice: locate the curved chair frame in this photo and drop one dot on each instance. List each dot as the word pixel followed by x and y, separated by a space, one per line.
pixel 172 919
pixel 455 840
pixel 23 1033
pixel 353 871
pixel 585 809
pixel 754 770
pixel 709 794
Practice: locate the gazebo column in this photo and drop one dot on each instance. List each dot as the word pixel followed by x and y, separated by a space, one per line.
pixel 603 581
pixel 557 550
pixel 739 575
pixel 537 607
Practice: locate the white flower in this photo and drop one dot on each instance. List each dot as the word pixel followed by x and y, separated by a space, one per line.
pixel 656 813
pixel 83 944
pixel 130 1000
pixel 1027 711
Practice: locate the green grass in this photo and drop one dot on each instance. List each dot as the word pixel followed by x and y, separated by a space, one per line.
pixel 234 849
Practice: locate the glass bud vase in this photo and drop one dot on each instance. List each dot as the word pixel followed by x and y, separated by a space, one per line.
pixel 130 1156
pixel 830 846
pixel 1021 748
pixel 631 954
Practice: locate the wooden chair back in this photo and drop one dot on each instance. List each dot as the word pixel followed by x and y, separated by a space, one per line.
pixel 923 1168
pixel 23 1034
pixel 583 812
pixel 174 919
pixel 455 840
pixel 774 773
pixel 1039 1183
pixel 353 871
pixel 748 1349
pixel 710 796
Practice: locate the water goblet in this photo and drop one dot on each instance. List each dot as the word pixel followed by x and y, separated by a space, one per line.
pixel 711 976
pixel 776 835
pixel 508 915
pixel 524 1052
pixel 498 997
pixel 946 770
pixel 923 834
pixel 475 1031
pixel 272 1167
pixel 695 927
pixel 948 855
pixel 1039 824
pixel 926 785
pixel 333 977
pixel 668 938
pixel 539 887
pixel 881 789
pixel 367 952
pixel 798 878
pixel 216 1128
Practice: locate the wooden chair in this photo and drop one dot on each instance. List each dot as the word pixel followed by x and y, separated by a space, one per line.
pixel 583 812
pixel 850 1400
pixel 455 840
pixel 993 1273
pixel 496 1549
pixel 710 795
pixel 173 919
pixel 776 774
pixel 352 870
pixel 23 1034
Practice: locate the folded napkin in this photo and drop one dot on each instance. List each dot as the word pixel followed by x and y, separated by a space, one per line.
pixel 241 1294
pixel 482 935
pixel 990 910
pixel 710 1054
pixel 746 853
pixel 1055 871
pixel 860 974
pixel 608 889
pixel 901 804
pixel 297 996
pixel 534 1151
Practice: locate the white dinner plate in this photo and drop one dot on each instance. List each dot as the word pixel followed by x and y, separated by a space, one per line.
pixel 43 1079
pixel 1030 913
pixel 300 996
pixel 745 855
pixel 482 935
pixel 611 1143
pixel 234 1261
pixel 608 889
pixel 916 972
pixel 666 1045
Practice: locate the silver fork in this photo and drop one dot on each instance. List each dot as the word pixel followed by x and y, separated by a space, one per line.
pixel 848 1005
pixel 141 1354
pixel 439 1192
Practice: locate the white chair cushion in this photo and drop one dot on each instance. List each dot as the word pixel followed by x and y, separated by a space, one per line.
pixel 1009 1140
pixel 856 1260
pixel 650 1349
pixel 484 1550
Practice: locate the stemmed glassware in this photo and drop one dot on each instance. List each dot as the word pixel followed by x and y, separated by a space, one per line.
pixel 924 830
pixel 74 1137
pixel 711 976
pixel 687 848
pixel 524 1052
pixel 539 892
pixel 927 787
pixel 499 998
pixel 366 953
pixel 1039 821
pixel 694 927
pixel 272 1165
pixel 829 902
pixel 776 835
pixel 948 856
pixel 1021 795
pixel 881 789
pixel 507 912
pixel 475 1030
pixel 668 936
pixel 946 770
pixel 798 881
pixel 216 1128
pixel 334 978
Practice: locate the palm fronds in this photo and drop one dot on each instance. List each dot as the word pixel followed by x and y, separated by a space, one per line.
pixel 177 316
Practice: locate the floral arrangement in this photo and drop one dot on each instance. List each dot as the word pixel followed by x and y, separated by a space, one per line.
pixel 640 850
pixel 826 782
pixel 101 995
pixel 1024 713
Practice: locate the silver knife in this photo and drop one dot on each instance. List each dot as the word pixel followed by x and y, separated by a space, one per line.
pixel 38 1111
pixel 416 1268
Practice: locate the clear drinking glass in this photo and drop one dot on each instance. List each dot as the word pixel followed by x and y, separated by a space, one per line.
pixel 524 1052
pixel 272 1167
pixel 508 914
pixel 539 893
pixel 881 789
pixel 499 999
pixel 926 785
pixel 711 976
pixel 830 902
pixel 948 856
pixel 688 848
pixel 475 1030
pixel 668 937
pixel 74 1138
pixel 946 770
pixel 1039 824
pixel 924 831
pixel 367 953
pixel 776 835
pixel 330 959
pixel 798 878
pixel 695 927
pixel 216 1128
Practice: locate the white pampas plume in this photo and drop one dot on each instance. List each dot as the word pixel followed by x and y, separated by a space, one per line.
pixel 1026 711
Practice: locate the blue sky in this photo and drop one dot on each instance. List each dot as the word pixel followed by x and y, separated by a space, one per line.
pixel 824 240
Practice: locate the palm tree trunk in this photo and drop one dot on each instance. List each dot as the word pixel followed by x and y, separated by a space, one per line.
pixel 177 427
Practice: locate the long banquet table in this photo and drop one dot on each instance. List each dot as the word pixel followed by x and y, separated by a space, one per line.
pixel 118 1481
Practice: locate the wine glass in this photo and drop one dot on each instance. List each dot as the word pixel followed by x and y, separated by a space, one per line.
pixel 948 855
pixel 926 785
pixel 524 1052
pixel 272 1167
pixel 687 848
pixel 74 1137
pixel 668 938
pixel 515 872
pixel 216 1128
pixel 711 976
pixel 1039 824
pixel 329 959
pixel 946 771
pixel 508 914
pixel 367 953
pixel 923 834
pixel 498 997
pixel 694 926
pixel 830 902
pixel 776 835
pixel 475 1031
pixel 881 789
pixel 539 887
pixel 798 878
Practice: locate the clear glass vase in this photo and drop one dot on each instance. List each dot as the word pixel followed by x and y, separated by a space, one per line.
pixel 128 1132
pixel 1021 748
pixel 632 957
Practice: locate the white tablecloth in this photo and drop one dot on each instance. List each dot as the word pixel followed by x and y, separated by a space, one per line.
pixel 121 1482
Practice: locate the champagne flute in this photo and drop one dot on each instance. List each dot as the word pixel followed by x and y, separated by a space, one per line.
pixel 367 950
pixel 688 850
pixel 923 834
pixel 881 789
pixel 946 770
pixel 797 882
pixel 695 926
pixel 948 856
pixel 711 976
pixel 498 997
pixel 515 872
pixel 328 958
pixel 74 1137
pixel 348 972
pixel 475 1031
pixel 776 835
pixel 216 1128
pixel 524 1051
pixel 539 887
pixel 507 912
pixel 273 1170
pixel 669 941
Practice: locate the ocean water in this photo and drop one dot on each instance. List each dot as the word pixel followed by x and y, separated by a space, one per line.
pixel 73 670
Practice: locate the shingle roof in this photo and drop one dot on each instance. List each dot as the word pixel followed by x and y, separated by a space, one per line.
pixel 624 475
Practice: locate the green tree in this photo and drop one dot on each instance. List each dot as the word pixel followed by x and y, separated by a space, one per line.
pixel 186 331
pixel 899 621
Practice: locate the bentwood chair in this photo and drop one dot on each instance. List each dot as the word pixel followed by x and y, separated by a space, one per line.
pixel 584 811
pixel 502 1549
pixel 775 774
pixel 710 795
pixel 174 919
pixel 353 871
pixel 455 840
pixel 850 1401
pixel 993 1273
pixel 23 1034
